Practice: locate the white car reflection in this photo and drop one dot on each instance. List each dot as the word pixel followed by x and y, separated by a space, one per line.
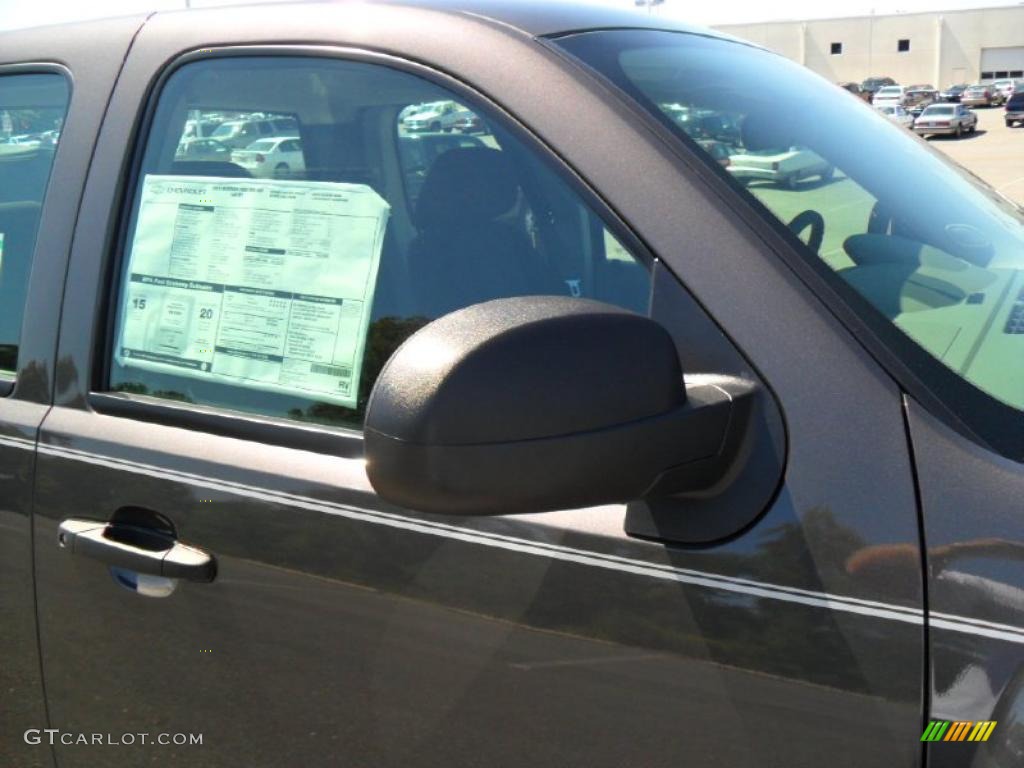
pixel 279 157
pixel 784 167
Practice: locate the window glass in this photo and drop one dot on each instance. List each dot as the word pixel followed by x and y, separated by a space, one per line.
pixel 937 253
pixel 276 275
pixel 32 110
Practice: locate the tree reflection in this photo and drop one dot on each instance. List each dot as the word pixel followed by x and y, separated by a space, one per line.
pixel 136 388
pixel 384 337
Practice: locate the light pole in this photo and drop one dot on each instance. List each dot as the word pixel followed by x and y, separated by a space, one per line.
pixel 871 40
pixel 649 3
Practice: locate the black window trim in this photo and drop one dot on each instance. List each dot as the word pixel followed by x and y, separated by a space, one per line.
pixel 1000 428
pixel 344 442
pixel 9 380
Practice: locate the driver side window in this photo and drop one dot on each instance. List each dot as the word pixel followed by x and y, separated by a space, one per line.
pixel 277 274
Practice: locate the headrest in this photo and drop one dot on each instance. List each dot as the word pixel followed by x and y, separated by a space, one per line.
pixel 211 168
pixel 467 183
pixel 766 132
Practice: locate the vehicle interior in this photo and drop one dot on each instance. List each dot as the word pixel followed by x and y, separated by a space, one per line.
pixel 932 248
pixel 472 217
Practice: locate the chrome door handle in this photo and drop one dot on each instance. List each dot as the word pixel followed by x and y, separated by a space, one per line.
pixel 136 549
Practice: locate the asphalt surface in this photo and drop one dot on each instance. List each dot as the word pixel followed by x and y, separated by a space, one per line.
pixel 994 152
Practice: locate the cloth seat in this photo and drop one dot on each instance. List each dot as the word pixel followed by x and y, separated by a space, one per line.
pixel 467 250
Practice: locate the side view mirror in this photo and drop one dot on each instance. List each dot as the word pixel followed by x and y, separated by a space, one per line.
pixel 542 403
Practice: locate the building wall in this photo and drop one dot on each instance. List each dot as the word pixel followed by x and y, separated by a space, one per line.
pixel 945 47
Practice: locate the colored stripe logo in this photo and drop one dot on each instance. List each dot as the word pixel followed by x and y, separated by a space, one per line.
pixel 961 730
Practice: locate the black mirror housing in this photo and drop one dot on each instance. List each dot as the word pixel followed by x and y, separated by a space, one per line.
pixel 540 403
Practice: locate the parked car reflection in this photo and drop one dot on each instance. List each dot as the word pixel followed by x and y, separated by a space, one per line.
pixel 279 157
pixel 202 149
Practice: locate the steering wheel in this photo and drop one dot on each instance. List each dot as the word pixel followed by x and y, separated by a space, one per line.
pixel 816 222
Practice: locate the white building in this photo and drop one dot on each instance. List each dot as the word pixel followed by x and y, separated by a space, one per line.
pixel 940 48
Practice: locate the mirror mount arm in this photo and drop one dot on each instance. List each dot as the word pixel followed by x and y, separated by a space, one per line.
pixel 735 399
pixel 715 498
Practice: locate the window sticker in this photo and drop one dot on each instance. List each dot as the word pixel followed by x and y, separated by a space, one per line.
pixel 263 284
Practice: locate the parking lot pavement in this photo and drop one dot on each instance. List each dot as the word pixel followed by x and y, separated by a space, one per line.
pixel 994 152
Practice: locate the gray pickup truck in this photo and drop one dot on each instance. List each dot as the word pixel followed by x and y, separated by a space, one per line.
pixel 581 452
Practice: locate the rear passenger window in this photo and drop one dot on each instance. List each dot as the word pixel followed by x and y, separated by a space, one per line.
pixel 32 110
pixel 278 276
